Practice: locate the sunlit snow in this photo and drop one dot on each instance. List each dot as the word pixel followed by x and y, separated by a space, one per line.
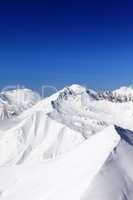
pixel 74 145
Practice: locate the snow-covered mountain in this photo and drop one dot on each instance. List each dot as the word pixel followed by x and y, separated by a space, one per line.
pixel 76 144
pixel 88 111
pixel 16 101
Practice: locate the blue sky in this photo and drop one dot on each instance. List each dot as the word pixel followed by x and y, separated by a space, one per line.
pixel 64 42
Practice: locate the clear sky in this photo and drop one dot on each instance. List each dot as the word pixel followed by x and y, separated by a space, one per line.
pixel 63 42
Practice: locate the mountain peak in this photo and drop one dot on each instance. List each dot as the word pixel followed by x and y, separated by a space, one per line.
pixel 125 90
pixel 77 88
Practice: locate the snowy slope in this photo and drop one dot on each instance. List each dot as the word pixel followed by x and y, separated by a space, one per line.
pixel 86 113
pixel 124 91
pixel 66 146
pixel 14 102
pixel 115 180
pixel 62 178
pixel 35 138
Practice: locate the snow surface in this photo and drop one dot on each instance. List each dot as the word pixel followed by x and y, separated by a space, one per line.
pixel 37 137
pixel 115 180
pixel 87 115
pixel 62 178
pixel 74 145
pixel 124 91
pixel 16 101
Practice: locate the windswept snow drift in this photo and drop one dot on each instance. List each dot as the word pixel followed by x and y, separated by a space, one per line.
pixel 72 145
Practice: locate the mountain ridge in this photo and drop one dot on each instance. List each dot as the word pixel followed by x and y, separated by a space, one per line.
pixel 75 144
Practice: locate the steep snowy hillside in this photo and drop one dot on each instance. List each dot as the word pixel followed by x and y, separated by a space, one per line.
pixel 115 179
pixel 63 178
pixel 76 144
pixel 36 137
